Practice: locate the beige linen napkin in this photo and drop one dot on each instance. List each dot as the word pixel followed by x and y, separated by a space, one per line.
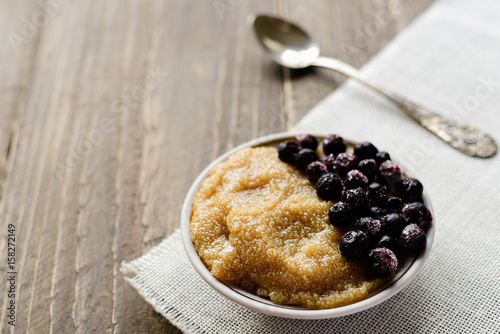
pixel 449 60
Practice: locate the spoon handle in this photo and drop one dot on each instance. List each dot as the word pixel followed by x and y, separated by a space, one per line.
pixel 465 138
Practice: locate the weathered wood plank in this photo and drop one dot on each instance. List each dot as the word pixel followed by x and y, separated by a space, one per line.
pixel 113 109
pixel 20 31
pixel 18 46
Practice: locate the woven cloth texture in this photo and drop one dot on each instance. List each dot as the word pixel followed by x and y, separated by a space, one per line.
pixel 448 59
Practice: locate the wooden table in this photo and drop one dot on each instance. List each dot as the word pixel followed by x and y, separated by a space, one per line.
pixel 109 110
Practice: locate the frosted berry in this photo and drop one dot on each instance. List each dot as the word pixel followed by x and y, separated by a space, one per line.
pixel 410 189
pixel 417 213
pixel 354 179
pixel 315 170
pixel 374 231
pixel 329 187
pixel 389 174
pixel 362 223
pixel 365 150
pixel 382 262
pixel 382 156
pixel 376 212
pixel 354 245
pixel 390 242
pixel 368 167
pixel 339 214
pixel 344 162
pixel 413 238
pixel 329 161
pixel 394 204
pixel 307 141
pixel 356 198
pixel 377 194
pixel 333 144
pixel 371 227
pixel 304 157
pixel 393 223
pixel 287 151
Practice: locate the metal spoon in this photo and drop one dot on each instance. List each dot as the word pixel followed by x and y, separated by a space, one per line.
pixel 290 46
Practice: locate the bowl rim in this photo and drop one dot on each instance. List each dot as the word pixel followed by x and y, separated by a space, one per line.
pixel 389 290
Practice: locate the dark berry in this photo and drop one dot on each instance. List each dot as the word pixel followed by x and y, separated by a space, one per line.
pixel 333 144
pixel 394 204
pixel 307 141
pixel 356 198
pixel 354 245
pixel 328 161
pixel 389 174
pixel 365 150
pixel 305 157
pixel 413 238
pixel 287 151
pixel 362 223
pixel 382 262
pixel 372 228
pixel 377 194
pixel 376 212
pixel 368 167
pixel 382 156
pixel 374 232
pixel 410 189
pixel 393 223
pixel 329 187
pixel 315 170
pixel 344 162
pixel 354 179
pixel 339 214
pixel 417 213
pixel 390 242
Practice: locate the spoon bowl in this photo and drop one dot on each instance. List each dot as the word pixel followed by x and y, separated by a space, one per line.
pixel 286 43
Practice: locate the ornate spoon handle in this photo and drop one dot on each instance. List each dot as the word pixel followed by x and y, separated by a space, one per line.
pixel 465 138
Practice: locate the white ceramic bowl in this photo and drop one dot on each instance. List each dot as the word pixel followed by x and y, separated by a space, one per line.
pixel 405 275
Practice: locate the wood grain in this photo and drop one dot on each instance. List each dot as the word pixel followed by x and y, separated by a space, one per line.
pixel 110 109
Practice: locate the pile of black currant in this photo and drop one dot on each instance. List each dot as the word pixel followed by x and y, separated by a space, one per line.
pixel 381 210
